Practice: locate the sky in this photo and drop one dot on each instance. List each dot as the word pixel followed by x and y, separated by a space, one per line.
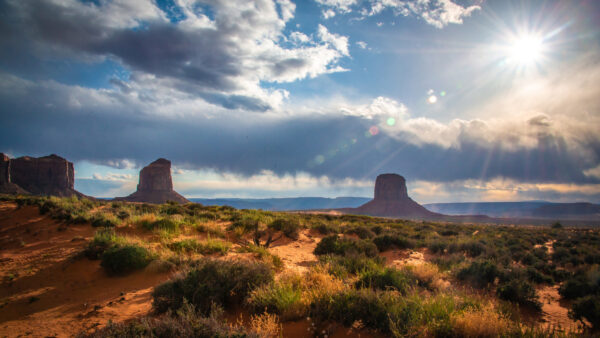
pixel 471 100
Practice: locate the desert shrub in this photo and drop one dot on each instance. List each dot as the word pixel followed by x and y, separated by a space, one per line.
pixel 283 297
pixel 471 248
pixel 341 246
pixel 448 232
pixel 172 208
pixel 326 228
pixel 577 286
pixel 352 263
pixel 126 258
pixel 103 220
pixel 246 223
pixel 385 242
pixel 385 279
pixel 164 224
pixel 371 307
pixel 225 283
pixel 361 231
pixel 587 308
pixel 520 292
pixel 426 275
pixel 212 230
pixel 447 262
pixel 207 247
pixel 437 246
pixel 184 323
pixel 103 239
pixel 289 227
pixel 537 277
pixel 479 273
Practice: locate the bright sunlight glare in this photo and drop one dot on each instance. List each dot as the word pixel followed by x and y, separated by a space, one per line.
pixel 526 49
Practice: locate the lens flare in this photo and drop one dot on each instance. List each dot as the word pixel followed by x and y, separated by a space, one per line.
pixel 391 121
pixel 432 99
pixel 374 130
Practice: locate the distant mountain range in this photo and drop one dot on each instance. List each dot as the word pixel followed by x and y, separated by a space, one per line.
pixel 531 209
pixel 281 204
pixel 528 209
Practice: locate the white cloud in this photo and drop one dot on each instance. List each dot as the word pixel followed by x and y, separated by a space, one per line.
pixel 339 42
pixel 438 13
pixel 361 44
pixel 328 13
pixel 340 6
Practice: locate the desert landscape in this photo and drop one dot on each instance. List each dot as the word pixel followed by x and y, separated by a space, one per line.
pixel 300 168
pixel 79 266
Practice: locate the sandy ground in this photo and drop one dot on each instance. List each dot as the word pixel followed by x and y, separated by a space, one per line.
pixel 297 255
pixel 554 310
pixel 46 291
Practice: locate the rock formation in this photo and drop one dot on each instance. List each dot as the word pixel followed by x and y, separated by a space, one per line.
pixel 391 200
pixel 48 175
pixel 156 185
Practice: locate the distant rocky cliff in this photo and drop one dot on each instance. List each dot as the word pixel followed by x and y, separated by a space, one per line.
pixel 391 200
pixel 156 185
pixel 48 175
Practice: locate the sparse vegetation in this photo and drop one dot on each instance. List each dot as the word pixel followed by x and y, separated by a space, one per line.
pixel 350 284
pixel 224 283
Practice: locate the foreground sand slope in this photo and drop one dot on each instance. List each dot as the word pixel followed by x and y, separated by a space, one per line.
pixel 47 289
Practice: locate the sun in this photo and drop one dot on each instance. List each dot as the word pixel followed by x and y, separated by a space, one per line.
pixel 525 49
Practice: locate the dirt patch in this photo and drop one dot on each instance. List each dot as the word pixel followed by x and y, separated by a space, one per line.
pixel 297 255
pixel 554 310
pixel 46 290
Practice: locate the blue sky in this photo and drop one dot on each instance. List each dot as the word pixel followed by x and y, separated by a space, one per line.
pixel 469 100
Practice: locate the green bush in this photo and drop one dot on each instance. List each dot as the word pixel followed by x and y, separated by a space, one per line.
pixel 207 247
pixel 479 273
pixel 289 227
pixel 224 283
pixel 164 224
pixel 578 286
pixel 385 279
pixel 386 242
pixel 103 239
pixel 127 258
pixel 520 292
pixel 101 220
pixel 587 308
pixel 326 228
pixel 337 245
pixel 361 231
pixel 352 263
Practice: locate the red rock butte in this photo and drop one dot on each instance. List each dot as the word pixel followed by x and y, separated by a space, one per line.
pixel 48 175
pixel 156 185
pixel 391 200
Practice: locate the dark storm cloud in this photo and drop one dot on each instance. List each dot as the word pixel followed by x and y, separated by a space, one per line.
pixel 40 121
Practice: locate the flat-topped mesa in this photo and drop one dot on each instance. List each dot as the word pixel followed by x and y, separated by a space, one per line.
pixel 391 200
pixel 156 185
pixel 48 175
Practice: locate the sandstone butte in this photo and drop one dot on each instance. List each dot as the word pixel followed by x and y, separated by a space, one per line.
pixel 156 185
pixel 49 175
pixel 391 200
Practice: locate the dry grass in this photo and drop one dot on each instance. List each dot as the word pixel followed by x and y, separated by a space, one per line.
pixel 481 323
pixel 265 325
